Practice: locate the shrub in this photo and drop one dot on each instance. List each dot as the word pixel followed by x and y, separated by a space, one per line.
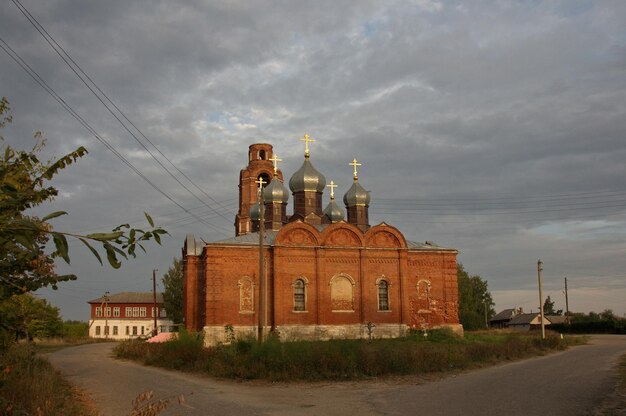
pixel 344 359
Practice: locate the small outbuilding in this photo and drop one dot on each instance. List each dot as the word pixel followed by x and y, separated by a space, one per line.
pixel 527 322
pixel 504 317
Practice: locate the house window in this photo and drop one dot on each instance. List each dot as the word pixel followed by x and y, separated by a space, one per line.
pixel 163 328
pixel 142 330
pixel 115 330
pixel 298 295
pixel 383 295
pixel 98 311
pixel 142 312
pixel 128 312
pixel 97 330
pixel 134 330
pixel 127 330
pixel 152 313
pixel 116 312
pixel 136 311
pixel 106 330
pixel 163 313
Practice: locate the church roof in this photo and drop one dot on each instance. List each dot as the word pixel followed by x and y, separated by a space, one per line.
pixel 275 192
pixel 334 211
pixel 248 239
pixel 255 211
pixel 356 195
pixel 307 178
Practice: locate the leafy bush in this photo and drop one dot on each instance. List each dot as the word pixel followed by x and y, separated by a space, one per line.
pixel 245 358
pixel 616 326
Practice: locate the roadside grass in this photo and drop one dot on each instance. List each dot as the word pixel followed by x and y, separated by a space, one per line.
pixel 415 354
pixel 46 345
pixel 29 385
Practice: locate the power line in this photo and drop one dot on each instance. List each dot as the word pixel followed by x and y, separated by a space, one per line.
pixel 65 57
pixel 550 197
pixel 35 76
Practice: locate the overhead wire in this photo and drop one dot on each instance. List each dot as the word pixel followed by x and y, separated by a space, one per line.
pixel 67 59
pixel 418 207
pixel 37 78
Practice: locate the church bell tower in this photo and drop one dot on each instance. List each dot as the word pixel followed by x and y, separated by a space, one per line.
pixel 259 166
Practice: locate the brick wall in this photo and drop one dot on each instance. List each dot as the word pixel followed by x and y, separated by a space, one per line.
pixel 222 284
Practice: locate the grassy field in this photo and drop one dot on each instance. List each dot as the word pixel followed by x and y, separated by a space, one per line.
pixel 440 351
pixel 30 386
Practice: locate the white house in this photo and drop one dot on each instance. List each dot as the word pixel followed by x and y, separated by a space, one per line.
pixel 128 315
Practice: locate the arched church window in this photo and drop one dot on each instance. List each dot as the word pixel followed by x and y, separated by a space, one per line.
pixel 261 154
pixel 246 295
pixel 299 299
pixel 342 293
pixel 423 289
pixel 383 295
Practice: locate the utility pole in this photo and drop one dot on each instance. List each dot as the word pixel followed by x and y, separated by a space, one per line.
pixel 154 307
pixel 566 304
pixel 261 182
pixel 539 270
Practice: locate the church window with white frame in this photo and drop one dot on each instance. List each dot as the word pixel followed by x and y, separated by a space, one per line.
pixel 299 295
pixel 383 295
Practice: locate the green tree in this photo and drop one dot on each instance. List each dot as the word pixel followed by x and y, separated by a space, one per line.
pixel 75 329
pixel 548 307
pixel 173 291
pixel 474 298
pixel 29 317
pixel 26 263
pixel 608 315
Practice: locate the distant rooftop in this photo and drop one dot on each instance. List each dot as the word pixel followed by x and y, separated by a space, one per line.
pixel 130 297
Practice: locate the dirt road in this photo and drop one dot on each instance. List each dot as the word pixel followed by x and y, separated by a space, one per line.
pixel 567 383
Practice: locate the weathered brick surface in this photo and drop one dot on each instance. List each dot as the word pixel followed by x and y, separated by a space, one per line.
pixel 341 265
pixel 422 283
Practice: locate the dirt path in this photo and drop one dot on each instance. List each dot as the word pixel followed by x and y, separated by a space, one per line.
pixel 567 383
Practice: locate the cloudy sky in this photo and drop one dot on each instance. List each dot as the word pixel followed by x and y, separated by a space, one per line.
pixel 497 128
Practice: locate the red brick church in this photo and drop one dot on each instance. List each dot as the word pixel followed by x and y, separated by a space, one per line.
pixel 324 274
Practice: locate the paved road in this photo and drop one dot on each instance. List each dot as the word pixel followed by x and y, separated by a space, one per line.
pixel 567 383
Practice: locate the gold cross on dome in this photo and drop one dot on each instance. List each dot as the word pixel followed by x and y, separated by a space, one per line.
pixel 306 139
pixel 332 187
pixel 355 164
pixel 275 160
pixel 260 182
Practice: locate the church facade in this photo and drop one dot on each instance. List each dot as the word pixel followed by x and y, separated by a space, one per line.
pixel 321 274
